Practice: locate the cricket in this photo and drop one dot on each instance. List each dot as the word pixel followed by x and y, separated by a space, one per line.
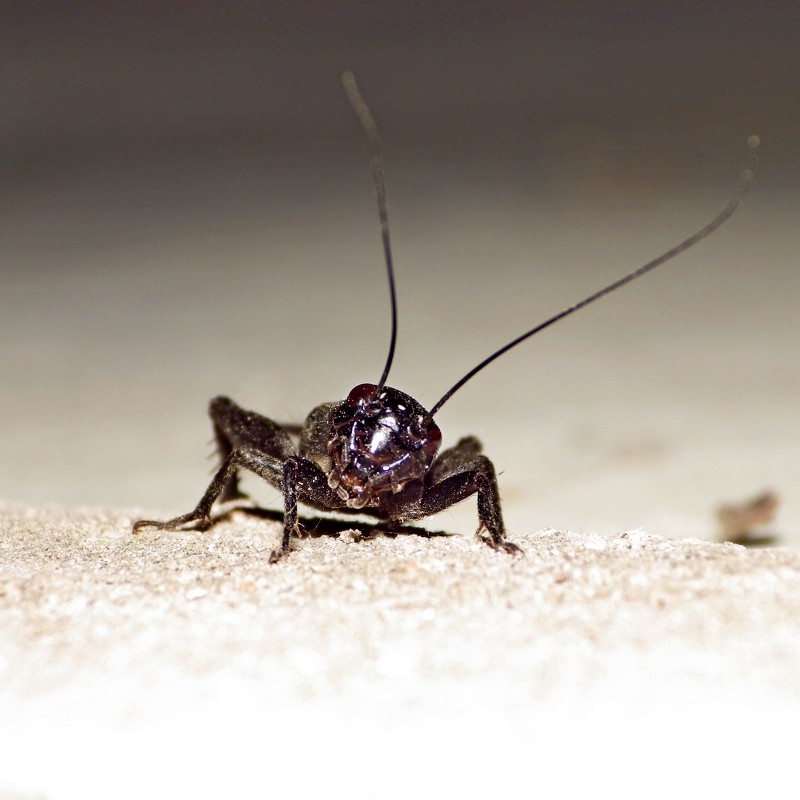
pixel 377 452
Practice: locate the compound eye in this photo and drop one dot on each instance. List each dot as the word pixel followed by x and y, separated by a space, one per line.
pixel 433 438
pixel 360 394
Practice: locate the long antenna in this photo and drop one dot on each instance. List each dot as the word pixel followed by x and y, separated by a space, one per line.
pixel 368 123
pixel 725 214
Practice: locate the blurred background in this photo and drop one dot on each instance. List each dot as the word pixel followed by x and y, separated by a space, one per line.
pixel 188 211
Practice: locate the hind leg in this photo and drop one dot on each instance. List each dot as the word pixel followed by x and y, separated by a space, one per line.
pixel 244 439
pixel 268 468
pixel 235 427
pixel 292 476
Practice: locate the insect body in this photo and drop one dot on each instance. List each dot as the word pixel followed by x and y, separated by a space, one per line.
pixel 377 451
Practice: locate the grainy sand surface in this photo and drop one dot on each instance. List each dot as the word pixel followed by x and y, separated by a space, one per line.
pixel 183 665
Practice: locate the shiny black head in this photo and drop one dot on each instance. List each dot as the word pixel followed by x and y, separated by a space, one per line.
pixel 383 440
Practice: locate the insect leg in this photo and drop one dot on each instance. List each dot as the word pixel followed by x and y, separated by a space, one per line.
pixel 234 427
pixel 462 479
pixel 293 476
pixel 264 465
pixel 230 491
pixel 455 458
pixel 289 487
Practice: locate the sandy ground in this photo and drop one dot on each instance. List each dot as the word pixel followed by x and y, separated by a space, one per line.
pixel 182 665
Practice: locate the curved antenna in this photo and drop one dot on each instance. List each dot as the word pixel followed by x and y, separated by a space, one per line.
pixel 368 123
pixel 732 205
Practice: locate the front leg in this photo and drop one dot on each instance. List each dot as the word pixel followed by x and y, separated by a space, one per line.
pixel 462 479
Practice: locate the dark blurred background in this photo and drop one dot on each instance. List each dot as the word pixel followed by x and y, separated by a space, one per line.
pixel 188 210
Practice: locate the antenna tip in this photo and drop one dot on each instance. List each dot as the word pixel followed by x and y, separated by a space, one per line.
pixel 348 79
pixel 753 141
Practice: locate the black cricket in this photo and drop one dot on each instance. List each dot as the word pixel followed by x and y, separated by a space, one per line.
pixel 375 452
